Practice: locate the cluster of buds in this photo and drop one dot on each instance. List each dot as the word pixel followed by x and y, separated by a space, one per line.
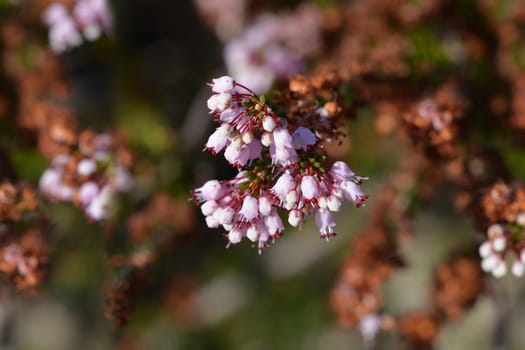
pixel 88 20
pixel 315 103
pixel 502 213
pixel 273 48
pixel 24 257
pixel 24 251
pixel 282 167
pixel 434 121
pixel 90 176
pixel 15 201
pixel 503 241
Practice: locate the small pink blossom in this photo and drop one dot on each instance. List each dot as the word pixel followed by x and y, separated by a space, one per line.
pixel 325 222
pixel 284 184
pixel 252 233
pixel 303 138
pixel 209 207
pixel 295 218
pixel 99 208
pixel 235 236
pixel 342 170
pixel 93 17
pixel 268 123
pixel 250 208
pixel 211 190
pixel 222 84
pixel 86 167
pixel 219 102
pixel 217 141
pixel 353 192
pixel 211 222
pixel 333 203
pixel 309 187
pixel 282 150
pixel 273 224
pixel 265 206
pixel 224 215
pixel 88 192
pixel 229 114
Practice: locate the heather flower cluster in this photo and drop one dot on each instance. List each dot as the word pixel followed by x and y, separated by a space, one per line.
pixel 282 171
pixel 274 47
pixel 503 244
pixel 89 178
pixel 88 20
pixel 502 210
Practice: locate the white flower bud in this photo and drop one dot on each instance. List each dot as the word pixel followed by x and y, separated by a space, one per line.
pixel 266 139
pixel 322 203
pixel 247 137
pixel 211 222
pixel 222 84
pixel 518 268
pixel 252 233
pixel 224 215
pixel 499 244
pixel 209 207
pixel 268 123
pixel 520 219
pixel 86 167
pixel 228 227
pixel 334 204
pixel 485 249
pixel 495 231
pixel 290 200
pixel 235 236
pixel 265 206
pixel 219 102
pixel 236 142
pixel 500 270
pixel 489 263
pixel 225 129
pixel 294 217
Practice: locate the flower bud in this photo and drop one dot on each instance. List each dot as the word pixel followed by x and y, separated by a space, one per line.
pixel 322 202
pixel 209 207
pixel 500 270
pixel 86 167
pixel 211 222
pixel 518 268
pixel 495 231
pixel 252 233
pixel 247 137
pixel 485 250
pixel 520 219
pixel 291 199
pixel 489 263
pixel 265 206
pixel 224 215
pixel 235 236
pixel 268 123
pixel 499 244
pixel 294 217
pixel 222 84
pixel 334 204
pixel 266 139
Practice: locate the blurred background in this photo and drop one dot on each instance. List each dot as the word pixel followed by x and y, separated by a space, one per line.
pixel 148 79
